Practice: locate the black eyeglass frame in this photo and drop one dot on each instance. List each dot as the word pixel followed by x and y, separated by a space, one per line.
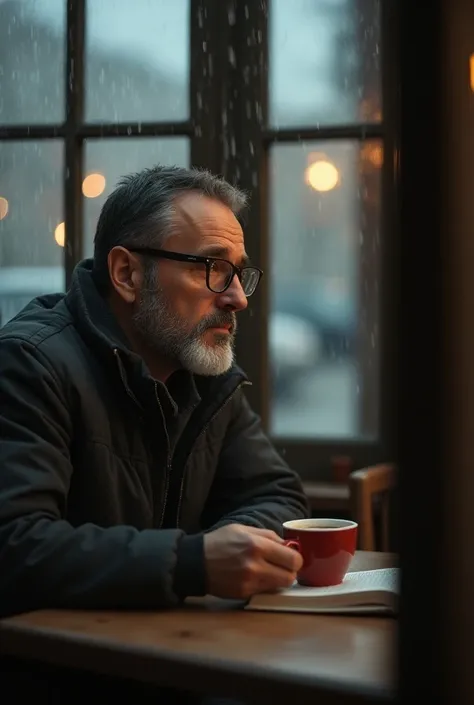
pixel 198 259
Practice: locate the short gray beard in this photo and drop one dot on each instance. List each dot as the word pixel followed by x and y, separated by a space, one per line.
pixel 163 331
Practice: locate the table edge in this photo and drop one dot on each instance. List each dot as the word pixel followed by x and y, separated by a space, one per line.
pixel 157 665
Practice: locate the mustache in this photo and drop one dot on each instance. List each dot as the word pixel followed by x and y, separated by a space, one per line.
pixel 218 319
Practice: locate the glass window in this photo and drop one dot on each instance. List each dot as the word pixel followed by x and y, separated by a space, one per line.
pixel 324 62
pixel 32 61
pixel 324 221
pixel 31 222
pixel 106 161
pixel 137 60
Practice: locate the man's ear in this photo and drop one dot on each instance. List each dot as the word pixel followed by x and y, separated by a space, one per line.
pixel 125 273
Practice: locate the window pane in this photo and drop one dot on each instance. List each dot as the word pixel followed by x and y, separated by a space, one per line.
pixel 32 61
pixel 324 62
pixel 324 216
pixel 31 208
pixel 137 65
pixel 106 161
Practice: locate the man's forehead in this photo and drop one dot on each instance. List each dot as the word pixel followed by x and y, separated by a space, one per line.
pixel 208 224
pixel 195 209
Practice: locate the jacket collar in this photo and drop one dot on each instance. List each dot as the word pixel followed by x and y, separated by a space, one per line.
pixel 92 312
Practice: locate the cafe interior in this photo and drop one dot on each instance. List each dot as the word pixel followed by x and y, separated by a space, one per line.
pixel 350 125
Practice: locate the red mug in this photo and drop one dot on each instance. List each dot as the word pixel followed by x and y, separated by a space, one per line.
pixel 327 547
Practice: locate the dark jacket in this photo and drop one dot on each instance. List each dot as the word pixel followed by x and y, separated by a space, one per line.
pixel 95 509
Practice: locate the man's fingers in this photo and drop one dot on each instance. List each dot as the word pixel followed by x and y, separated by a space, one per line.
pixel 269 546
pixel 282 556
pixel 274 578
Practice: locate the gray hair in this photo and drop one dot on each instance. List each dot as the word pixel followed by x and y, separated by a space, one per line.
pixel 140 210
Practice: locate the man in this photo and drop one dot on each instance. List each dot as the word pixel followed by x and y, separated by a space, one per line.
pixel 133 472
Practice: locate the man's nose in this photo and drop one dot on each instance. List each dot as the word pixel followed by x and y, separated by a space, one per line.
pixel 233 298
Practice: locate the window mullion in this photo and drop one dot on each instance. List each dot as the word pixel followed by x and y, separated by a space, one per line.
pixel 205 84
pixel 245 54
pixel 73 142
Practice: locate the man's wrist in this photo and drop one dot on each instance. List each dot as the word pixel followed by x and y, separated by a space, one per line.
pixel 190 571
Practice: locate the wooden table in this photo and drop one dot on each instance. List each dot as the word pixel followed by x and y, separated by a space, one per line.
pixel 211 646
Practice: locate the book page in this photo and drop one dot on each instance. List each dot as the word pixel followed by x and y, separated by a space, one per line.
pixel 316 608
pixel 356 582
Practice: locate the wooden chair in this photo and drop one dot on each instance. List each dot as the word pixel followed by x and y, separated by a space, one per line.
pixel 370 493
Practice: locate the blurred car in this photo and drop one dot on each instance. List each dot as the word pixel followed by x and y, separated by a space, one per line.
pixel 312 323
pixel 294 350
pixel 329 307
pixel 18 285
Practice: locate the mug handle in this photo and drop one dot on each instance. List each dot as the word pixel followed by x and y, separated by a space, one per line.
pixel 293 543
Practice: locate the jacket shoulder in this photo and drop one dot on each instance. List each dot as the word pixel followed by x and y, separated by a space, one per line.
pixel 43 319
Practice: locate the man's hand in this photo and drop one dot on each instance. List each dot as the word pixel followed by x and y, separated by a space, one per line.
pixel 242 561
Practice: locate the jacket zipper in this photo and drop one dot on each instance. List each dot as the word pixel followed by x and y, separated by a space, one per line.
pixel 244 383
pixel 168 457
pixel 168 445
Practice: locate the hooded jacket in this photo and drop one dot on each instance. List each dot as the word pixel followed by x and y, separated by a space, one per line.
pixel 99 505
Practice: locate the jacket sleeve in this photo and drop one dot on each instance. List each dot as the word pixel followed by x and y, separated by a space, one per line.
pixel 253 485
pixel 44 560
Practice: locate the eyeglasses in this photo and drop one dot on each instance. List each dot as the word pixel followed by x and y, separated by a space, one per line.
pixel 219 272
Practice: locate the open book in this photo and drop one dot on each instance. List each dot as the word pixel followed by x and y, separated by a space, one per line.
pixel 366 592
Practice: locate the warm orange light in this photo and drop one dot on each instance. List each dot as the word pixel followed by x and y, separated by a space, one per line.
pixel 471 70
pixel 60 234
pixel 3 207
pixel 322 175
pixel 93 185
pixel 376 156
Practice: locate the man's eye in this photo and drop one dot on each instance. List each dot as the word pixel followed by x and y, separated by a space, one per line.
pixel 198 269
pixel 219 267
